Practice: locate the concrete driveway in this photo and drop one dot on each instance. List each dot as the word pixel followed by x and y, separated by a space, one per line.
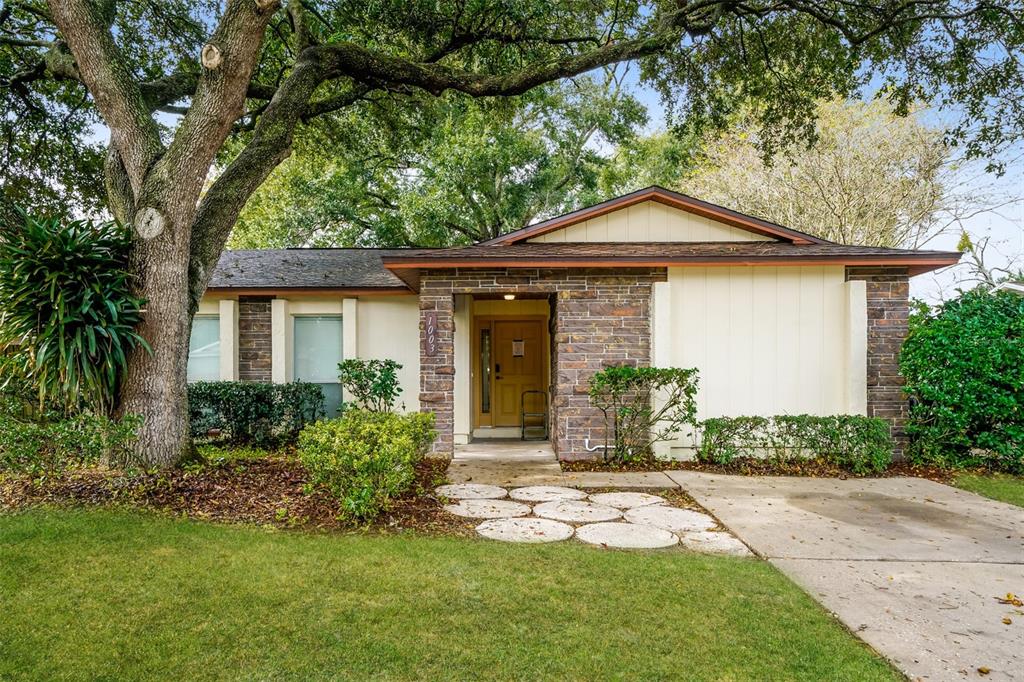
pixel 913 567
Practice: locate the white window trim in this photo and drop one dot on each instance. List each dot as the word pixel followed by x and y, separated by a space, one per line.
pixel 220 340
pixel 282 314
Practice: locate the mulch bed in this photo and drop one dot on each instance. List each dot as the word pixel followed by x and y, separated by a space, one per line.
pixel 760 467
pixel 267 492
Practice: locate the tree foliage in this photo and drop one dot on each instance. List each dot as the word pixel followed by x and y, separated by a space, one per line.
pixel 964 368
pixel 871 177
pixel 446 171
pixel 68 317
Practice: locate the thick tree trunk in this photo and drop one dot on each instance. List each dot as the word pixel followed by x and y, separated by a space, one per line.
pixel 155 383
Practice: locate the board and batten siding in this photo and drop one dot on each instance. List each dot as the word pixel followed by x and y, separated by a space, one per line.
pixel 650 221
pixel 766 340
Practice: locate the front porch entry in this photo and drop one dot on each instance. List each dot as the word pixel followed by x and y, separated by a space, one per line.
pixel 509 370
pixel 511 463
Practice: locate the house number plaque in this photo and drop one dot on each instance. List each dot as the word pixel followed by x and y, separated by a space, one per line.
pixel 430 327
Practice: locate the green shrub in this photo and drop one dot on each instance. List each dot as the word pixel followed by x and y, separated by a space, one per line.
pixel 253 413
pixel 964 370
pixel 642 406
pixel 68 318
pixel 373 383
pixel 365 459
pixel 853 442
pixel 41 447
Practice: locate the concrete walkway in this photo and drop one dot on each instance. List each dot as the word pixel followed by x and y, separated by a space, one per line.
pixel 913 567
pixel 514 463
pixel 507 463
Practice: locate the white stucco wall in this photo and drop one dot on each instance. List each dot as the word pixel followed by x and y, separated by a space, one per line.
pixel 650 221
pixel 767 340
pixel 389 328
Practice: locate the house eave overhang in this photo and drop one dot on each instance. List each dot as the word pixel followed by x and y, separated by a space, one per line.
pixel 309 291
pixel 918 265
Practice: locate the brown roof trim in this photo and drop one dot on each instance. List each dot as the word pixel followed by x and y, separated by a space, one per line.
pixel 306 291
pixel 918 265
pixel 668 198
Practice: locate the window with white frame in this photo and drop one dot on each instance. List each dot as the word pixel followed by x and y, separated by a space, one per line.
pixel 204 349
pixel 316 352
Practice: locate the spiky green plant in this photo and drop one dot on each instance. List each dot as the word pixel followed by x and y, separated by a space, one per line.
pixel 67 314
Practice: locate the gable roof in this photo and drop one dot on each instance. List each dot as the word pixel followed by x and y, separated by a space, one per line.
pixel 661 195
pixel 322 269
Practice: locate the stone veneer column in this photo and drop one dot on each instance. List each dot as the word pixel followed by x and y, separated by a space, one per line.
pixel 437 372
pixel 607 323
pixel 888 308
pixel 254 346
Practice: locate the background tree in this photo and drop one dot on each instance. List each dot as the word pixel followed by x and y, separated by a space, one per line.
pixel 870 177
pixel 255 70
pixel 442 171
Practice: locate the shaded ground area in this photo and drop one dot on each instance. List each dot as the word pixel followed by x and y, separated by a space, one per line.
pixel 268 490
pixel 919 570
pixel 114 595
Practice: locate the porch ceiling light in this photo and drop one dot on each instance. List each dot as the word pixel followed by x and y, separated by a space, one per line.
pixel 510 297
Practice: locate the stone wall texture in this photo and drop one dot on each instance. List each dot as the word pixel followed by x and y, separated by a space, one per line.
pixel 600 318
pixel 888 304
pixel 254 351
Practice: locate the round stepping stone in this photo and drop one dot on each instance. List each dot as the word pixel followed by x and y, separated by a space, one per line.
pixel 626 500
pixel 525 530
pixel 714 542
pixel 576 511
pixel 670 518
pixel 487 509
pixel 626 536
pixel 546 493
pixel 470 491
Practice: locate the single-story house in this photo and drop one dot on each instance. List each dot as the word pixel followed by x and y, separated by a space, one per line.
pixel 777 321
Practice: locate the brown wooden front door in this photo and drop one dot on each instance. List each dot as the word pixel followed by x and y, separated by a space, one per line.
pixel 518 365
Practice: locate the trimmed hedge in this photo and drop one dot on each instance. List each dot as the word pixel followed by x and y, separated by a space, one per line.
pixel 253 413
pixel 365 459
pixel 856 443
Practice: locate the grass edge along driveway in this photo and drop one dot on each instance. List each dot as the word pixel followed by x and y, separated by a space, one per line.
pixel 117 595
pixel 1001 487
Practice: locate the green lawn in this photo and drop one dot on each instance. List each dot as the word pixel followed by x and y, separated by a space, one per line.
pixel 102 594
pixel 1002 487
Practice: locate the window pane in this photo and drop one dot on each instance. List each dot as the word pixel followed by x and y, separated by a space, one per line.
pixel 318 351
pixel 204 349
pixel 485 371
pixel 317 345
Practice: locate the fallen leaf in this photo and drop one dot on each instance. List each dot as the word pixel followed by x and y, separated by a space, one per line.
pixel 983 670
pixel 1007 621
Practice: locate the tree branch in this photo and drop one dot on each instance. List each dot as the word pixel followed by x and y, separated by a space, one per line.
pixel 106 73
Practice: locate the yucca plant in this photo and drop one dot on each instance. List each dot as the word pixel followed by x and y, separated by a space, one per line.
pixel 67 314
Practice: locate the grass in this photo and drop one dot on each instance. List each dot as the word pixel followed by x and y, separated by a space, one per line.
pixel 1002 487
pixel 113 595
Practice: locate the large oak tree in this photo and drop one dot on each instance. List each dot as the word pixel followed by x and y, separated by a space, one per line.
pixel 256 71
